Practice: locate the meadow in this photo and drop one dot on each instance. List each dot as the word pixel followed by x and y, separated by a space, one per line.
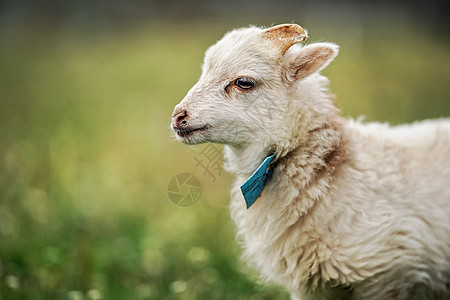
pixel 86 155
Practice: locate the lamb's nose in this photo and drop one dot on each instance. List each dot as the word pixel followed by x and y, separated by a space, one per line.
pixel 179 120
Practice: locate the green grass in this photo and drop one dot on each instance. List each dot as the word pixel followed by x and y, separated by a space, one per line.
pixel 86 155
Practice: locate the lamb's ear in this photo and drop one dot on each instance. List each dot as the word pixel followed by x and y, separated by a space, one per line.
pixel 300 62
pixel 284 36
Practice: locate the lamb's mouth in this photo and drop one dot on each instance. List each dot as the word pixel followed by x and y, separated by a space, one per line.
pixel 185 132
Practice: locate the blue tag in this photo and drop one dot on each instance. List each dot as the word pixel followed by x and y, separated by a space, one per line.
pixel 254 185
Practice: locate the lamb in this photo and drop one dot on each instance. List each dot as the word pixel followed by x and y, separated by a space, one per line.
pixel 351 210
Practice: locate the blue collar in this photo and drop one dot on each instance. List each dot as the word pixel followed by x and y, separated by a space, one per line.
pixel 255 184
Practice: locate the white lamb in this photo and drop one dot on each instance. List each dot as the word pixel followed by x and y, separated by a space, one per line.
pixel 352 210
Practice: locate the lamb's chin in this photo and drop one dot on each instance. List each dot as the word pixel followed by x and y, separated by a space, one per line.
pixel 191 138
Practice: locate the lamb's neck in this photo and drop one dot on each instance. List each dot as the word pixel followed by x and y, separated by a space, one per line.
pixel 244 159
pixel 300 180
pixel 320 156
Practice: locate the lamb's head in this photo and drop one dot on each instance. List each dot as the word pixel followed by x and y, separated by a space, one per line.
pixel 246 85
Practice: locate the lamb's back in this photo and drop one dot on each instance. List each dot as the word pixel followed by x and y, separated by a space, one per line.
pixel 412 160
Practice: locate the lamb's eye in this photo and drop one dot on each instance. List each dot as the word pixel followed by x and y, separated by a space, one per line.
pixel 244 83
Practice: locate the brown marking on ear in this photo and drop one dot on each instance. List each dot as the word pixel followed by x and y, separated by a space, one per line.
pixel 285 35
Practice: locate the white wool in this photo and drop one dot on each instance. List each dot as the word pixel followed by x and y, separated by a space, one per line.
pixel 353 210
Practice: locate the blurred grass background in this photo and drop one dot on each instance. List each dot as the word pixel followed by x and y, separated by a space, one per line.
pixel 86 151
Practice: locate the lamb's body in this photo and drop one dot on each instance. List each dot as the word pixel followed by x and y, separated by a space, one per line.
pixel 353 210
pixel 377 227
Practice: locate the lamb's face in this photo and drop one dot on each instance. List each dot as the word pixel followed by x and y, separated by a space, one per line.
pixel 242 91
pixel 228 103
